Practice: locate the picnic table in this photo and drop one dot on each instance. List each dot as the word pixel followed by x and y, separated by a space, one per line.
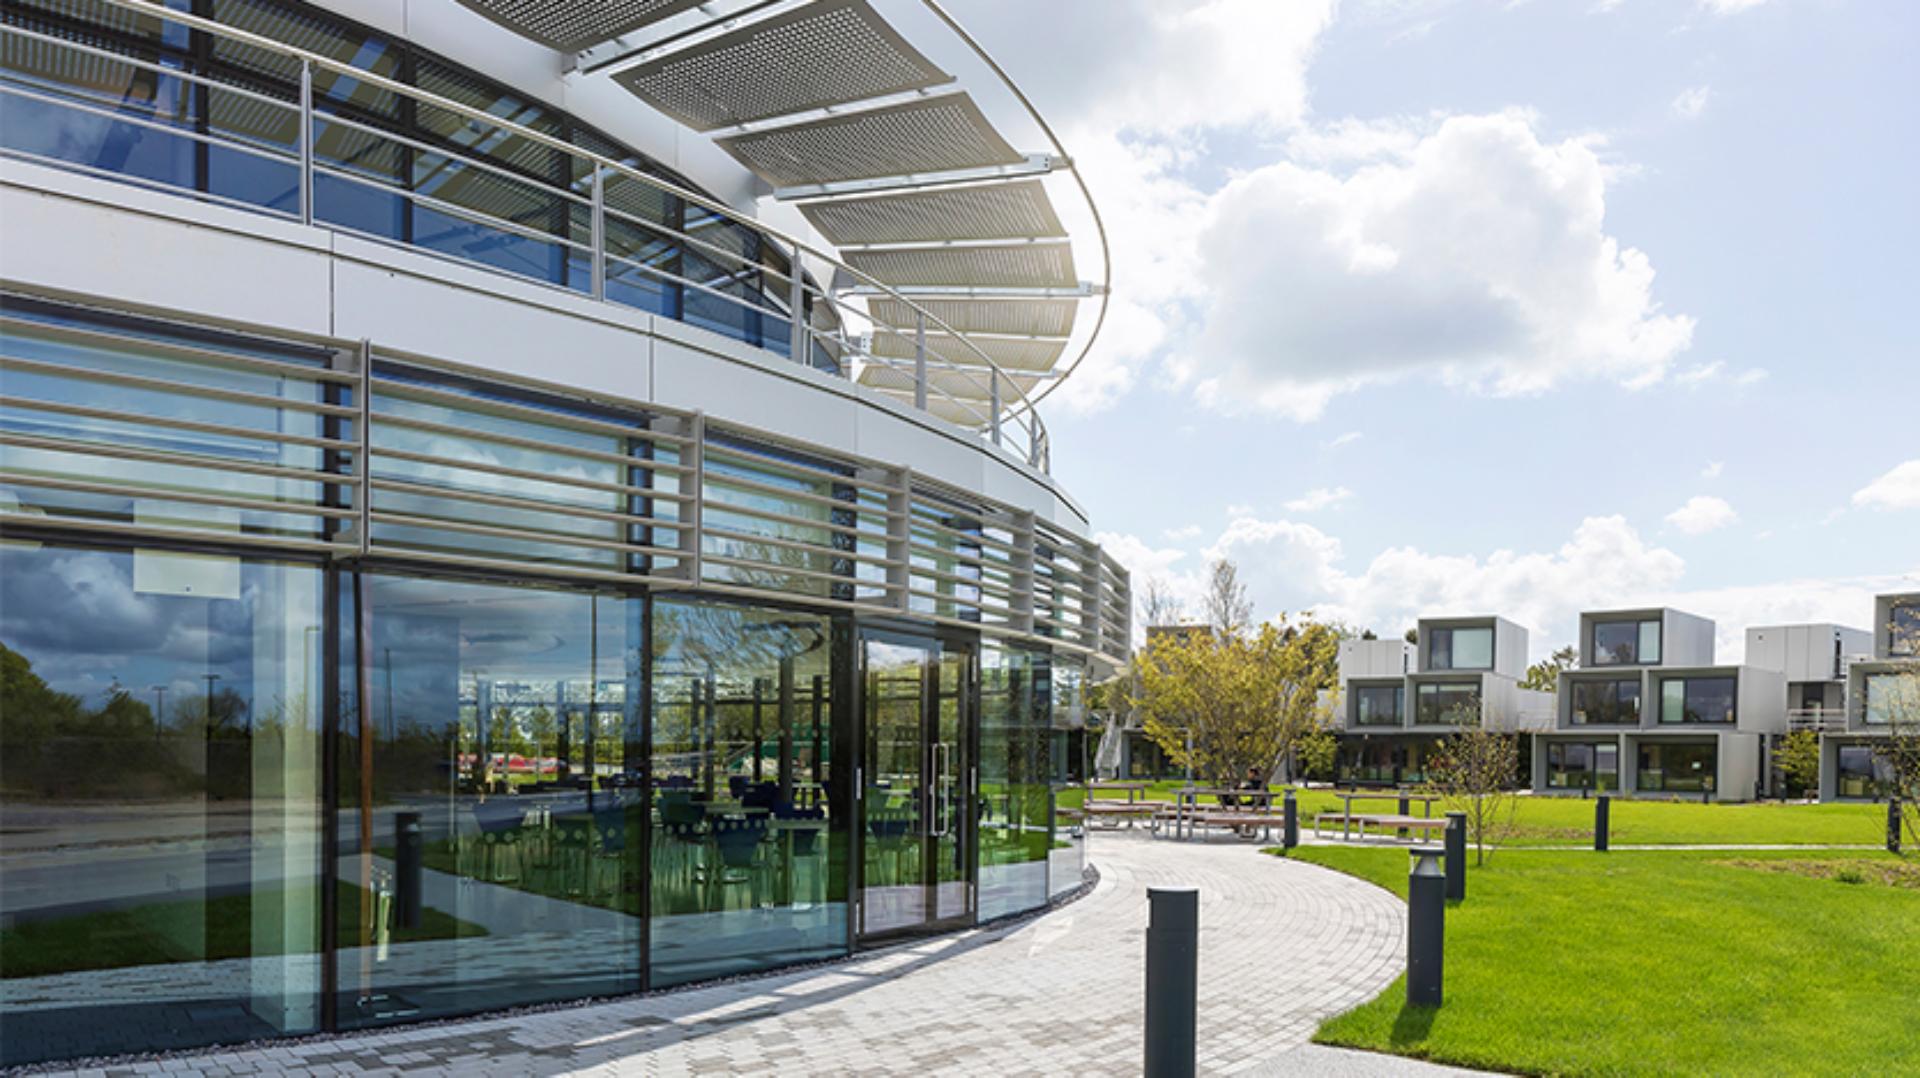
pixel 1186 810
pixel 1131 789
pixel 1402 799
pixel 1134 807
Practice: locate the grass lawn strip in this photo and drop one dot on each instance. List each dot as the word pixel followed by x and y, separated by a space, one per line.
pixel 1642 963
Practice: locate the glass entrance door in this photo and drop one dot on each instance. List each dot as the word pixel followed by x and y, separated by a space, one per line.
pixel 916 865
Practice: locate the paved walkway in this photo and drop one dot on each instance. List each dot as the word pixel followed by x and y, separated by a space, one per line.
pixel 1283 946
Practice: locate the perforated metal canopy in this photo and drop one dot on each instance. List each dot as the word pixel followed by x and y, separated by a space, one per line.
pixel 1036 354
pixel 572 25
pixel 1029 318
pixel 1020 265
pixel 827 53
pixel 987 212
pixel 936 134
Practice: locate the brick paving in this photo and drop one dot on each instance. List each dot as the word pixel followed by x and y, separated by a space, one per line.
pixel 1284 945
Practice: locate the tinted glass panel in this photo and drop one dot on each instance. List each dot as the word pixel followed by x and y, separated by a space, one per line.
pixel 1456 704
pixel 1617 643
pixel 1704 699
pixel 1583 766
pixel 1649 641
pixel 1067 702
pixel 1861 772
pixel 1015 810
pixel 1679 768
pixel 1904 630
pixel 159 789
pixel 1606 702
pixel 1890 696
pixel 499 738
pixel 749 852
pixel 1377 705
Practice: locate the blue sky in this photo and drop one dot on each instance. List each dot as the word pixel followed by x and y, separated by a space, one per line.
pixel 1459 306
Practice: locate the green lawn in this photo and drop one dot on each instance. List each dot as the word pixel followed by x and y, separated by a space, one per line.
pixel 1692 962
pixel 187 931
pixel 1562 821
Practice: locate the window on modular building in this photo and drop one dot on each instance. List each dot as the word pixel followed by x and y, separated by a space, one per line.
pixel 1861 771
pixel 1892 697
pixel 160 723
pixel 1677 767
pixel 1697 699
pixel 1460 649
pixel 1378 705
pixel 1626 643
pixel 1600 703
pixel 1456 704
pixel 1903 630
pixel 499 737
pixel 1583 765
pixel 748 857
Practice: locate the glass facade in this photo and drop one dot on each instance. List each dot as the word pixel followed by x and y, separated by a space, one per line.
pixel 1460 649
pixel 1379 705
pixel 1583 765
pixel 1626 643
pixel 1452 704
pixel 1606 703
pixel 257 780
pixel 1677 767
pixel 1698 699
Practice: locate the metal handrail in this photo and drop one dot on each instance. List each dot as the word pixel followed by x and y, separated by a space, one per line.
pixel 1020 412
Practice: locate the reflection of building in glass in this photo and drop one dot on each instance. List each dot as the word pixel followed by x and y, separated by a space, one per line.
pixel 459 555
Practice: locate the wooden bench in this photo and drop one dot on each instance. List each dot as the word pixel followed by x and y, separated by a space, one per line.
pixel 1129 811
pixel 1361 821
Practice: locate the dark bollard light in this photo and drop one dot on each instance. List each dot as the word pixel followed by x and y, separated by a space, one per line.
pixel 1456 857
pixel 1290 833
pixel 1893 825
pixel 1426 927
pixel 1601 823
pixel 406 866
pixel 1173 980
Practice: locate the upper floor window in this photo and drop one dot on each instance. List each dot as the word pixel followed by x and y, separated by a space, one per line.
pixel 1377 705
pixel 1697 699
pixel 1903 630
pixel 1626 643
pixel 1893 697
pixel 1460 649
pixel 1606 703
pixel 1458 705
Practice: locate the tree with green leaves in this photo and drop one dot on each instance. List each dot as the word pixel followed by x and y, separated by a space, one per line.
pixel 1897 698
pixel 1544 676
pixel 1798 759
pixel 1476 771
pixel 1224 702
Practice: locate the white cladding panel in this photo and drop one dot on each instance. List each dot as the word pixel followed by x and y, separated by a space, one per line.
pixel 1686 639
pixel 1762 701
pixel 1375 658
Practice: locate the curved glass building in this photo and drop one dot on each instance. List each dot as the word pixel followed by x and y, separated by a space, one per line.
pixel 509 501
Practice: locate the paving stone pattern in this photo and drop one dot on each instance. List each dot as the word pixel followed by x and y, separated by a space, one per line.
pixel 1283 946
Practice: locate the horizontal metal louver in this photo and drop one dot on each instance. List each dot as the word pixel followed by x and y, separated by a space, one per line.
pixel 1030 318
pixel 810 57
pixel 1014 354
pixel 938 134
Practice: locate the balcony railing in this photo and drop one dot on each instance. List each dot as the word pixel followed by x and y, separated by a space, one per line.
pixel 1819 720
pixel 312 156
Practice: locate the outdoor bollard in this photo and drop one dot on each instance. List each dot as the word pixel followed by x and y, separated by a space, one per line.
pixel 1426 927
pixel 1173 980
pixel 406 864
pixel 1893 825
pixel 1456 857
pixel 1406 809
pixel 1600 823
pixel 1290 833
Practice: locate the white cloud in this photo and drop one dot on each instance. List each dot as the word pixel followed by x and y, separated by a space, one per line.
pixel 1713 469
pixel 1730 7
pixel 1238 510
pixel 1701 374
pixel 1691 102
pixel 1348 438
pixel 1702 513
pixel 1898 489
pixel 1183 535
pixel 1475 254
pixel 1319 498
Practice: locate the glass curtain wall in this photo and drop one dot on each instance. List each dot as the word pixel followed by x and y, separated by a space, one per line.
pixel 1067 702
pixel 748 863
pixel 1015 795
pixel 160 824
pixel 488 816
